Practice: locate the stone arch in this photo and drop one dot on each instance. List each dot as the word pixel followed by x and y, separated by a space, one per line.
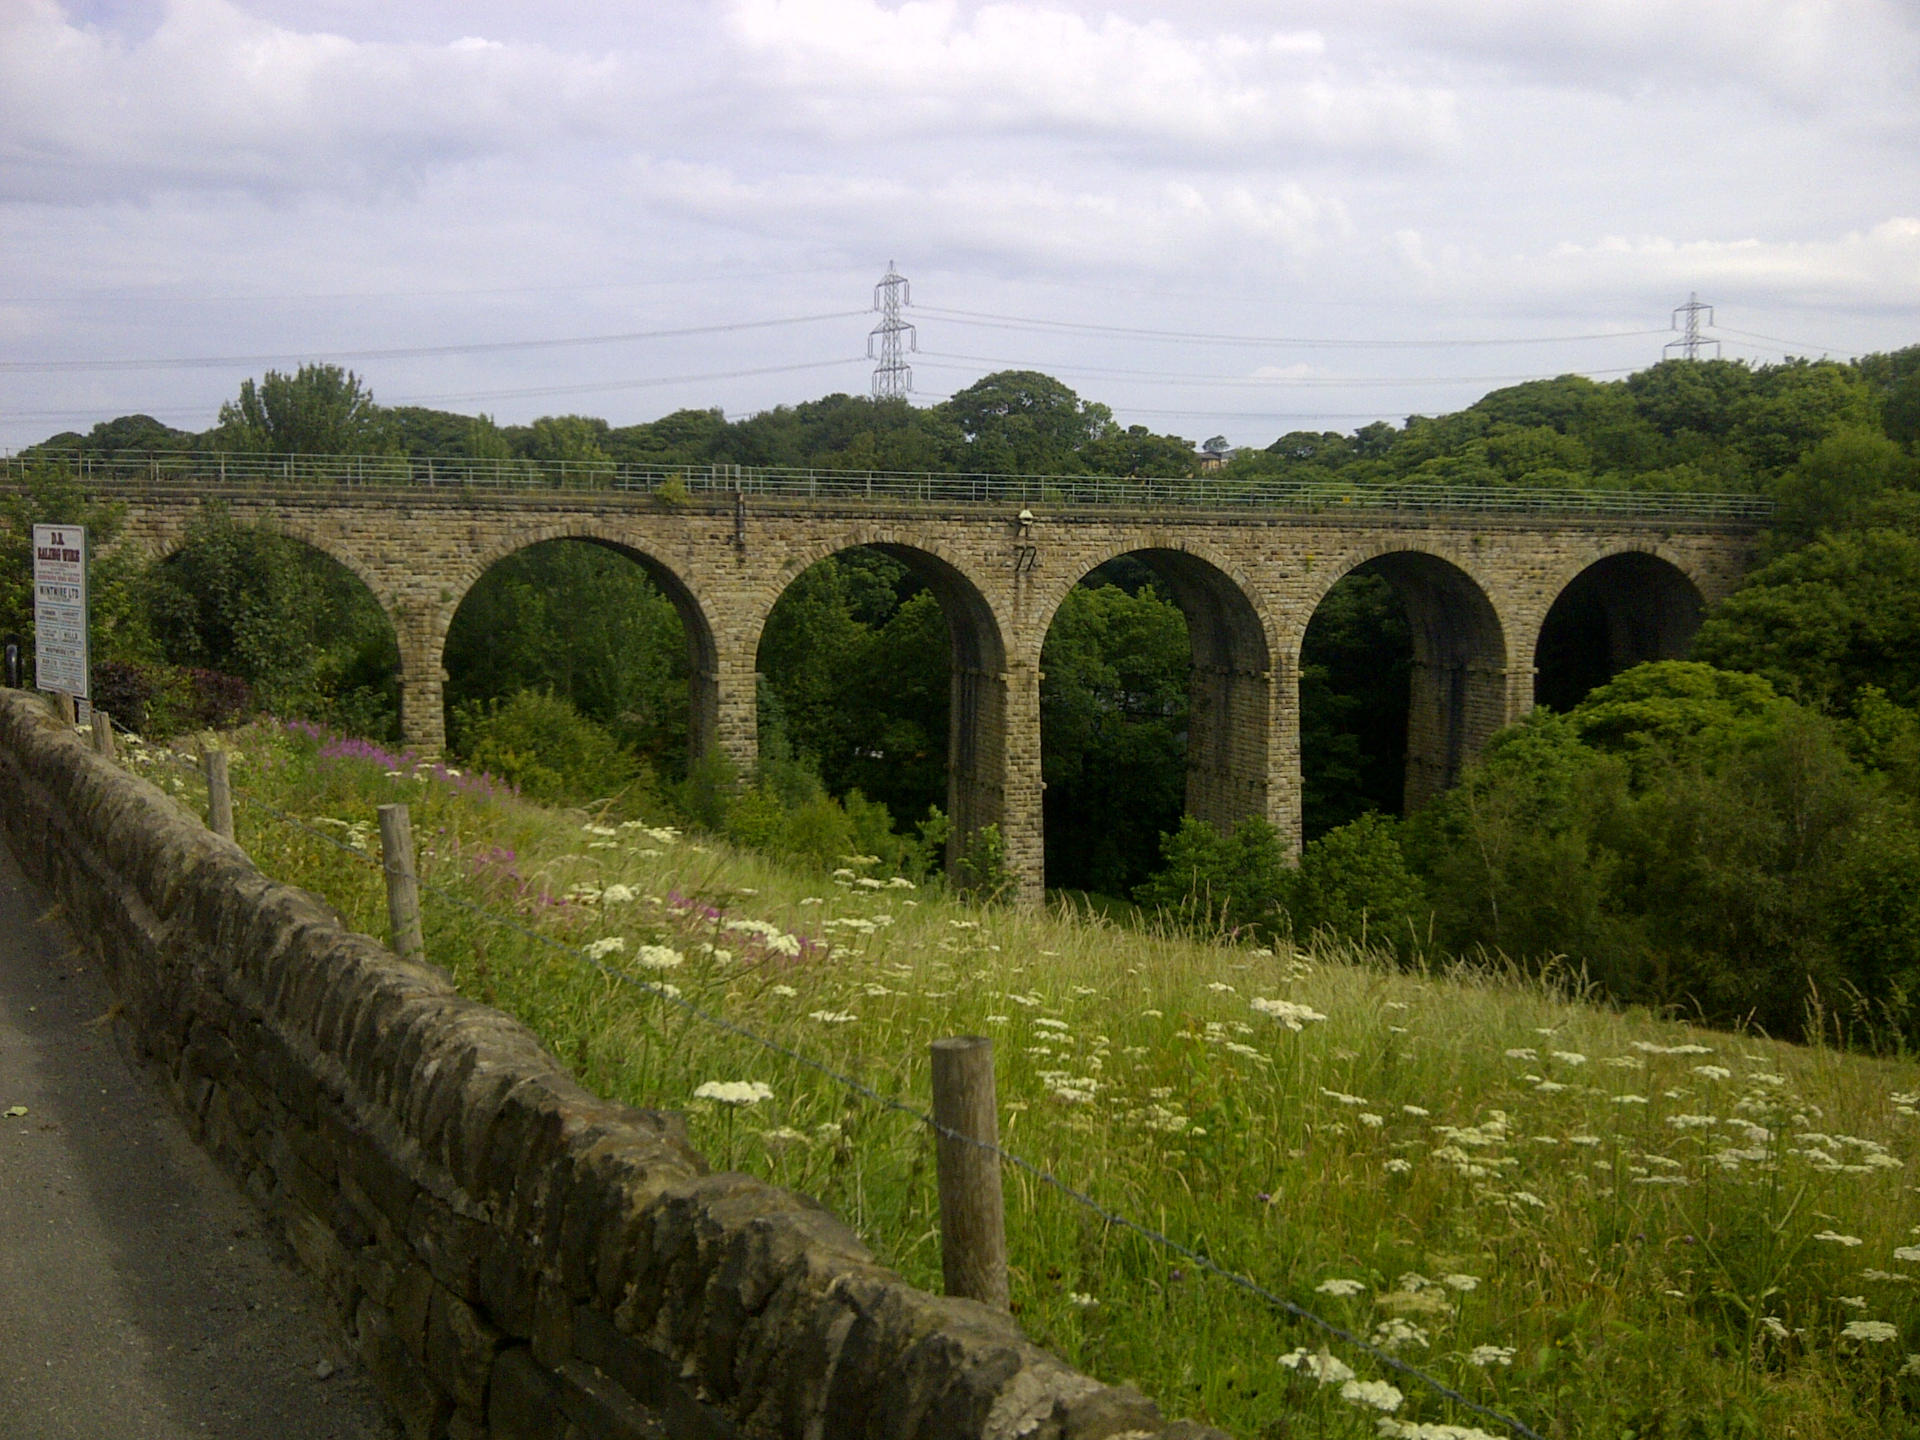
pixel 172 539
pixel 978 793
pixel 1622 608
pixel 703 650
pixel 1461 678
pixel 165 542
pixel 1239 738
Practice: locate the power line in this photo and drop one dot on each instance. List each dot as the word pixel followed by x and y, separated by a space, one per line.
pixel 1775 339
pixel 1169 377
pixel 1019 322
pixel 892 377
pixel 529 392
pixel 411 352
pixel 576 288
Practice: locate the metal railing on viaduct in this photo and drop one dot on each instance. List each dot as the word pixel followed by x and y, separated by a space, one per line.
pixel 1204 492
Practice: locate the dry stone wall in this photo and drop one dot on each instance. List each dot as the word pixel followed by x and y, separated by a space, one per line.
pixel 513 1257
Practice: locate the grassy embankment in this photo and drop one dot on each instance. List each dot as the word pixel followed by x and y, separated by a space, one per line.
pixel 1604 1223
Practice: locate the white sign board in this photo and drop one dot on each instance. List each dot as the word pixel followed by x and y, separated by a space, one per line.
pixel 60 608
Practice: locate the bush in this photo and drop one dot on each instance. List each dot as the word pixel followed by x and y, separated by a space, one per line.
pixel 542 744
pixel 1209 882
pixel 1354 882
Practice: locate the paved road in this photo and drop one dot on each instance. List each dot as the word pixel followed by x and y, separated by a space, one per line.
pixel 139 1297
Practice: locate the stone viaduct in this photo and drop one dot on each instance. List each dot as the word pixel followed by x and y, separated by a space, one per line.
pixel 1494 596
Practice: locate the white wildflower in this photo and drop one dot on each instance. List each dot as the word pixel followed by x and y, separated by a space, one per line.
pixel 1294 1017
pixel 1322 1366
pixel 1340 1288
pixel 1376 1394
pixel 1485 1355
pixel 1834 1238
pixel 734 1092
pixel 657 957
pixel 832 1017
pixel 600 949
pixel 1876 1332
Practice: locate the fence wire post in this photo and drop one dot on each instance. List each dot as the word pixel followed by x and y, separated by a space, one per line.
pixel 103 733
pixel 219 793
pixel 403 885
pixel 973 1230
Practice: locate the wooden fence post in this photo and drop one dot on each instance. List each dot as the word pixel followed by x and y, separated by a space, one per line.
pixel 103 732
pixel 219 793
pixel 403 887
pixel 61 704
pixel 973 1230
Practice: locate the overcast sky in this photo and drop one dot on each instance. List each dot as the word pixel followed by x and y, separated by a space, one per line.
pixel 1358 195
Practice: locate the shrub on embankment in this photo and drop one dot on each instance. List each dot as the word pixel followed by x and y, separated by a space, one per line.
pixel 1598 1221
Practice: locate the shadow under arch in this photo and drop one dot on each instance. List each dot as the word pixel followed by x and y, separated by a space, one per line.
pixel 977 702
pixel 701 654
pixel 1622 610
pixel 1458 678
pixel 1230 742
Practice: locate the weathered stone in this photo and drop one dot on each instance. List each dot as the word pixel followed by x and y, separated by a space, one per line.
pixel 412 1302
pixel 448 1243
pixel 523 1401
pixel 599 1408
pixel 423 1408
pixel 460 1350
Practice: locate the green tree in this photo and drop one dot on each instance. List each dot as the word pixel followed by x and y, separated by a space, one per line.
pixel 540 743
pixel 586 624
pixel 1023 422
pixel 1113 725
pixel 317 410
pixel 1214 883
pixel 1354 882
pixel 1823 621
pixel 1846 481
pixel 296 625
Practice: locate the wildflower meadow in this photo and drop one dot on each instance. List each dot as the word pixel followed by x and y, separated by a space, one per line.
pixel 1599 1222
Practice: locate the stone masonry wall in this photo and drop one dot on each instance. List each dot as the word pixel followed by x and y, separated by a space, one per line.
pixel 513 1257
pixel 1478 588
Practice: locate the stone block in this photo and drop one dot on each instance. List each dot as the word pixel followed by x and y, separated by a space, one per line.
pixel 422 1408
pixel 461 1347
pixel 523 1402
pixel 448 1243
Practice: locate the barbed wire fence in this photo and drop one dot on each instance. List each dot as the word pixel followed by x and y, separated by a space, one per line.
pixel 855 1086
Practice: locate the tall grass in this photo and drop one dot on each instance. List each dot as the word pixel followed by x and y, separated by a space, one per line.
pixel 1604 1223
